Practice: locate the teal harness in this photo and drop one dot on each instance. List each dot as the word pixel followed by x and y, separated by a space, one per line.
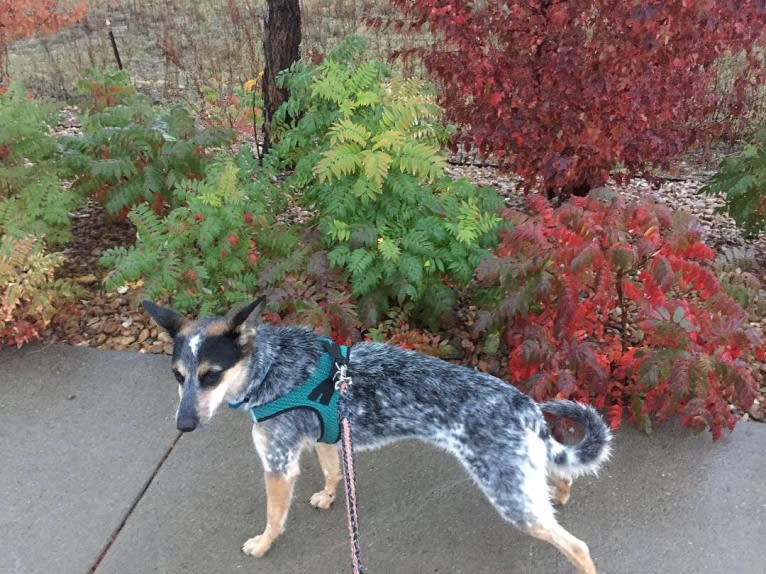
pixel 318 393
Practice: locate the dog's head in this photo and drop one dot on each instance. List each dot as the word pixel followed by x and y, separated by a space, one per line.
pixel 210 358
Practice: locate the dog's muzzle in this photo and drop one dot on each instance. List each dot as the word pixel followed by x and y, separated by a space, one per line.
pixel 186 417
pixel 186 423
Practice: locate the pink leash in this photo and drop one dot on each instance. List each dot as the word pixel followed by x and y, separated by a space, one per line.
pixel 349 475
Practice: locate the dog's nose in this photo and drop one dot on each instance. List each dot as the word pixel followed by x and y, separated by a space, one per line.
pixel 186 424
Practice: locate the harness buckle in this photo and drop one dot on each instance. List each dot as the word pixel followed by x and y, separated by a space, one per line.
pixel 341 378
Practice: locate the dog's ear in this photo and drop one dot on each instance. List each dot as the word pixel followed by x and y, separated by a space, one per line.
pixel 165 318
pixel 245 320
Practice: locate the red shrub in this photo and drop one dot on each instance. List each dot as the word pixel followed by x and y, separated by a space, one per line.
pixel 566 90
pixel 614 304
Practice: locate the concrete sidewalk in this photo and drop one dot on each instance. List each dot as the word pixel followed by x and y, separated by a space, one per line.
pixel 82 433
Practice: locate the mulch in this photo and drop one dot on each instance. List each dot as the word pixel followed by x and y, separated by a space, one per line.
pixel 106 320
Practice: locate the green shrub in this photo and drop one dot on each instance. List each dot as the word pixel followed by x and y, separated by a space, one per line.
pixel 365 153
pixel 32 201
pixel 103 89
pixel 131 152
pixel 737 270
pixel 204 252
pixel 742 180
pixel 359 158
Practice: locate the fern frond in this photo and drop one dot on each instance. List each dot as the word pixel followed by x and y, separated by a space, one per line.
pixel 390 140
pixel 338 161
pixel 421 160
pixel 346 131
pixel 329 85
pixel 388 249
pixel 224 189
pixel 27 285
pixel 365 77
pixel 375 165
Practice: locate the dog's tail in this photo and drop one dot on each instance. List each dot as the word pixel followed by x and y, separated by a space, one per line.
pixel 586 456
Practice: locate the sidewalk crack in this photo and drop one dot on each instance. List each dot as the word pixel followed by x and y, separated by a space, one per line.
pixel 133 505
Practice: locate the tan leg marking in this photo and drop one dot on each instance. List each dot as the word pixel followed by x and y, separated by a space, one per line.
pixel 279 492
pixel 561 489
pixel 573 548
pixel 329 460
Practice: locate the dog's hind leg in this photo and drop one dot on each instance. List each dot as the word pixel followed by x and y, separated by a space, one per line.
pixel 511 469
pixel 573 548
pixel 329 460
pixel 279 492
pixel 561 488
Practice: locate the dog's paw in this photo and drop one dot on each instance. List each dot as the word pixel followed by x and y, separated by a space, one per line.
pixel 257 546
pixel 561 490
pixel 322 500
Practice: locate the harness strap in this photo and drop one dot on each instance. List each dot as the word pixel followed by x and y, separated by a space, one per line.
pixel 318 393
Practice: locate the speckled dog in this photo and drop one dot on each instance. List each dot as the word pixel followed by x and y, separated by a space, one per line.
pixel 497 433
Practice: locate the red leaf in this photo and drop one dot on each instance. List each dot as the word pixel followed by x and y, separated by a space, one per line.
pixel 614 416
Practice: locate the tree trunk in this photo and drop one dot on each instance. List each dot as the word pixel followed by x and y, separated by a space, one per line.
pixel 281 47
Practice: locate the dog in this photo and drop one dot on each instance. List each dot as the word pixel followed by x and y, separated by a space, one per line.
pixel 499 434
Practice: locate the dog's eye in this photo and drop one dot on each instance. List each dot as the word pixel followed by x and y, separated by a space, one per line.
pixel 210 378
pixel 179 377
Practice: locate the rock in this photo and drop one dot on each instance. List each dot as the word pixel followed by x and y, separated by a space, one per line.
pixel 450 352
pixel 95 326
pixel 85 279
pixel 758 411
pixel 111 327
pixel 493 366
pixel 124 342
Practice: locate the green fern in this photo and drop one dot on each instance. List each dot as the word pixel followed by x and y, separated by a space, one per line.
pixel 32 200
pixel 341 160
pixel 366 153
pixel 203 254
pixel 130 152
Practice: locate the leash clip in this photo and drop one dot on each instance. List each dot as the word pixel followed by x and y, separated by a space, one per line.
pixel 341 377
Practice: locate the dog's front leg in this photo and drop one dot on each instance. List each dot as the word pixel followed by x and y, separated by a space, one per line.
pixel 329 460
pixel 279 492
pixel 279 454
